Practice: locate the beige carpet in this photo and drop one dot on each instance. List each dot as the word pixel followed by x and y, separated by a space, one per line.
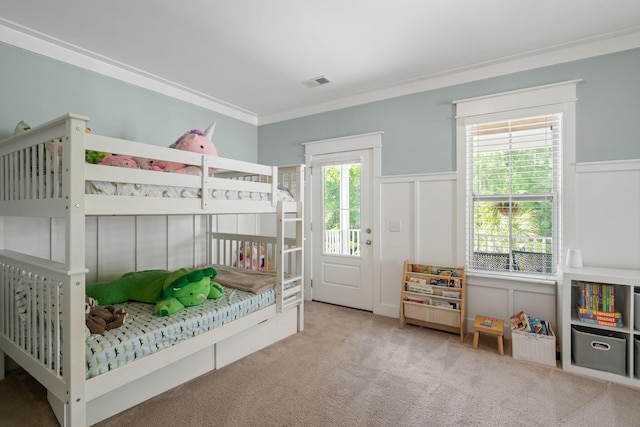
pixel 352 368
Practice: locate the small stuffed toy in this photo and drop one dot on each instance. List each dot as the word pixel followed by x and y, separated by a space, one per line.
pixel 93 157
pixel 100 319
pixel 250 260
pixel 169 291
pixel 120 161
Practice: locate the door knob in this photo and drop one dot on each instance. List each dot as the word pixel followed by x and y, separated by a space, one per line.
pixel 368 242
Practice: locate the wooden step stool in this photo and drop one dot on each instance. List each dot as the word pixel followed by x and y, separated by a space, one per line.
pixel 495 328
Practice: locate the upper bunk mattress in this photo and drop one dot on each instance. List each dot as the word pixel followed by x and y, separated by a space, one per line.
pixel 143 190
pixel 145 333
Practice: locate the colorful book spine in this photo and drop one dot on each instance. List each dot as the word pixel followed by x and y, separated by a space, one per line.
pixel 602 322
pixel 596 317
pixel 596 296
pixel 607 314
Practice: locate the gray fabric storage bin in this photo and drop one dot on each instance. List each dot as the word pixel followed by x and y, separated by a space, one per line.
pixel 636 305
pixel 599 349
pixel 636 356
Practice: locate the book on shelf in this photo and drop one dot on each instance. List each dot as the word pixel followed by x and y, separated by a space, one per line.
pixel 446 272
pixel 596 296
pixel 607 314
pixel 440 282
pixel 451 294
pixel 615 324
pixel 421 288
pixel 420 268
pixel 606 319
pixel 439 303
pixel 415 300
pixel 418 280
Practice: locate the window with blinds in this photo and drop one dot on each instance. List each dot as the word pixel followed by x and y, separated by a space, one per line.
pixel 513 188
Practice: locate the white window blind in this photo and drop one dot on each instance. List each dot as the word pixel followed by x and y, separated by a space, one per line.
pixel 513 191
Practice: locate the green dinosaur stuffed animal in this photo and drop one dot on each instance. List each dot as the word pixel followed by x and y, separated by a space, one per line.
pixel 170 291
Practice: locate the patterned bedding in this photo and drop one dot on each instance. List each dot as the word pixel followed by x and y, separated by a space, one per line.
pixel 145 333
pixel 128 189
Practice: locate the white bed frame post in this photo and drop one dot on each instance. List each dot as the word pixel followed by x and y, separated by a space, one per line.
pixel 300 242
pixel 74 368
pixel 2 246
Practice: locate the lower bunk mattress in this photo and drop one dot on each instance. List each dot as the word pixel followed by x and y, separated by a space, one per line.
pixel 145 333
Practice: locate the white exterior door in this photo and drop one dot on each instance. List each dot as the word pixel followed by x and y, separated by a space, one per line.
pixel 342 228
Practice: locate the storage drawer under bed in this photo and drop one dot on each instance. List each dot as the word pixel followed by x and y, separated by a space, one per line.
pixel 257 337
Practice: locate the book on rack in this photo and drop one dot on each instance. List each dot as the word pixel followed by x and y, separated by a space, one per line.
pixel 418 287
pixel 439 303
pixel 450 294
pixel 418 280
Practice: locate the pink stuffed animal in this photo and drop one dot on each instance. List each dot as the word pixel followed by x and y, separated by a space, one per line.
pixel 121 161
pixel 196 142
pixel 146 164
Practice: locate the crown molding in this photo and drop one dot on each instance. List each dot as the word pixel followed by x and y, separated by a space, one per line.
pixel 603 45
pixel 22 37
pixel 33 41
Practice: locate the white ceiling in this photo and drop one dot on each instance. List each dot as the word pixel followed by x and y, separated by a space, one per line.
pixel 252 55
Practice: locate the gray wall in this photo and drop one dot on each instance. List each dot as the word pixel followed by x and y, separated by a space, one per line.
pixel 419 129
pixel 37 89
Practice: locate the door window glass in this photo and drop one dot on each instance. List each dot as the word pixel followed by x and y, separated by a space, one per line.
pixel 341 228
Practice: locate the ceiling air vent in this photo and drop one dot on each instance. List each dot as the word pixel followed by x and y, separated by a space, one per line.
pixel 318 81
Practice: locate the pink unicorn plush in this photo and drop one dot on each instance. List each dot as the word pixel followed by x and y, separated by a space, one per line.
pixel 196 142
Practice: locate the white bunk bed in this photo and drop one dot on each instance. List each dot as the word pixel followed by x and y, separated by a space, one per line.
pixel 96 237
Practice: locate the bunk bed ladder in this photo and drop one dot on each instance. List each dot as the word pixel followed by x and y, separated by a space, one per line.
pixel 290 252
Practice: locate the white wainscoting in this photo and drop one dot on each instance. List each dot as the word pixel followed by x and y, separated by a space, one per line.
pixel 608 213
pixel 418 222
pixel 118 244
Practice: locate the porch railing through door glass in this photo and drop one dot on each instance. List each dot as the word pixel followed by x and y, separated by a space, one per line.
pixel 342 242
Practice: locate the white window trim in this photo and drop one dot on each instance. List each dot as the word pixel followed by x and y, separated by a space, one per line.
pixel 558 97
